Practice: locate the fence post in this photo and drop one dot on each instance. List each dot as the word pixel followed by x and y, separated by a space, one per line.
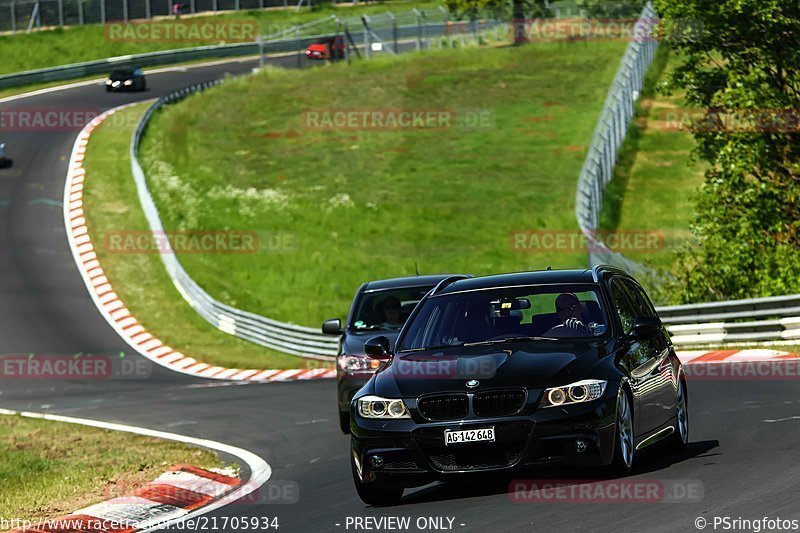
pixel 238 5
pixel 61 12
pixel 13 17
pixel 299 47
pixel 424 28
pixel 147 13
pixel 394 31
pixel 125 10
pixel 103 11
pixel 345 34
pixel 214 5
pixel 193 7
pixel 419 29
pixel 367 45
pixel 445 24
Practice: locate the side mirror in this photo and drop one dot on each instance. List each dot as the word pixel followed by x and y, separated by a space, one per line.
pixel 378 348
pixel 646 327
pixel 332 326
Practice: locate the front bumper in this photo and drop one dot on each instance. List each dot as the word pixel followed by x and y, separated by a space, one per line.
pixel 413 452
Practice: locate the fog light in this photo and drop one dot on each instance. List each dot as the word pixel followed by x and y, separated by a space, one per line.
pixel 376 461
pixel 581 445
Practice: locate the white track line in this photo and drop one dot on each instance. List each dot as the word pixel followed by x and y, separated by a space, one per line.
pixel 113 309
pixel 260 471
pixel 179 68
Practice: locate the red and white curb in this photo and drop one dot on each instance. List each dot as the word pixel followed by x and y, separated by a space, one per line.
pixel 172 495
pixel 754 355
pixel 114 310
pixel 204 492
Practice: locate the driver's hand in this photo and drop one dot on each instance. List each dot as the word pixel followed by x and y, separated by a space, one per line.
pixel 574 324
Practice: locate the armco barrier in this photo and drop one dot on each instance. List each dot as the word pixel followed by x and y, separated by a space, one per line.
pixel 714 324
pixel 288 338
pixel 598 168
pixel 758 320
pixel 293 43
pixel 281 336
pixel 165 57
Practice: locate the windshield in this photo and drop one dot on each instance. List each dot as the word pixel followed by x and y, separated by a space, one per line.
pixel 507 315
pixel 386 309
pixel 121 73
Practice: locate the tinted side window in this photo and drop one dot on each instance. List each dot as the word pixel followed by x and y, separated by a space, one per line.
pixel 624 308
pixel 641 303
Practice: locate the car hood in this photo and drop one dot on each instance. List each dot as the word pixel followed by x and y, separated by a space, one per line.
pixel 316 48
pixel 354 341
pixel 530 365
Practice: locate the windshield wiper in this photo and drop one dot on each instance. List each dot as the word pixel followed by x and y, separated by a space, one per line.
pixel 509 340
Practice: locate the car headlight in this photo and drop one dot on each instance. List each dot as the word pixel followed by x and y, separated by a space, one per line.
pixel 377 407
pixel 357 363
pixel 108 82
pixel 128 82
pixel 578 392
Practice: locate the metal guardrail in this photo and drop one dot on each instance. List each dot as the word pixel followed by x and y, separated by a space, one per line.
pixel 436 24
pixel 598 168
pixel 150 59
pixel 288 338
pixel 759 320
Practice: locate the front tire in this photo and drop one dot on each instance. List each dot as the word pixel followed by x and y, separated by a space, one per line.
pixel 344 422
pixel 680 438
pixel 624 450
pixel 375 493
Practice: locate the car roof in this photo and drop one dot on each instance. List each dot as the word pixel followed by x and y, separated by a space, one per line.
pixel 409 281
pixel 536 277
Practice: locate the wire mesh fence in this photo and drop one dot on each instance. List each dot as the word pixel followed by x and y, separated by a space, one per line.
pixel 598 168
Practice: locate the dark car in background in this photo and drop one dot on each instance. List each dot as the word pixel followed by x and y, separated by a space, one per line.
pixel 379 308
pixel 126 79
pixel 4 160
pixel 506 372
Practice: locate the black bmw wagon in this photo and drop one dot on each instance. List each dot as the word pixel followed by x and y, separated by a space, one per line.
pixel 511 371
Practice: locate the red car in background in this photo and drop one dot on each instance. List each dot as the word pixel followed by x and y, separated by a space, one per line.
pixel 327 48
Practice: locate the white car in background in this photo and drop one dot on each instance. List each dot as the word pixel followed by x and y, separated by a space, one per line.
pixel 4 161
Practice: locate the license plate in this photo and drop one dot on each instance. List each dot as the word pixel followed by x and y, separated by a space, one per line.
pixel 469 435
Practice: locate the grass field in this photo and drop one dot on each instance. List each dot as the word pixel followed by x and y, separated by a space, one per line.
pixel 45 470
pixel 140 279
pixel 85 43
pixel 336 207
pixel 655 178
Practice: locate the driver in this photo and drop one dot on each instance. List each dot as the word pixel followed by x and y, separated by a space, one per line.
pixel 568 310
pixel 391 313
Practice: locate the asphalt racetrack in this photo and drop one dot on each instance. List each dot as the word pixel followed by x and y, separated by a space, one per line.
pixel 743 454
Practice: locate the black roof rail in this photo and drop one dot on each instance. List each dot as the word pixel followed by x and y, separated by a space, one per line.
pixel 609 268
pixel 448 280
